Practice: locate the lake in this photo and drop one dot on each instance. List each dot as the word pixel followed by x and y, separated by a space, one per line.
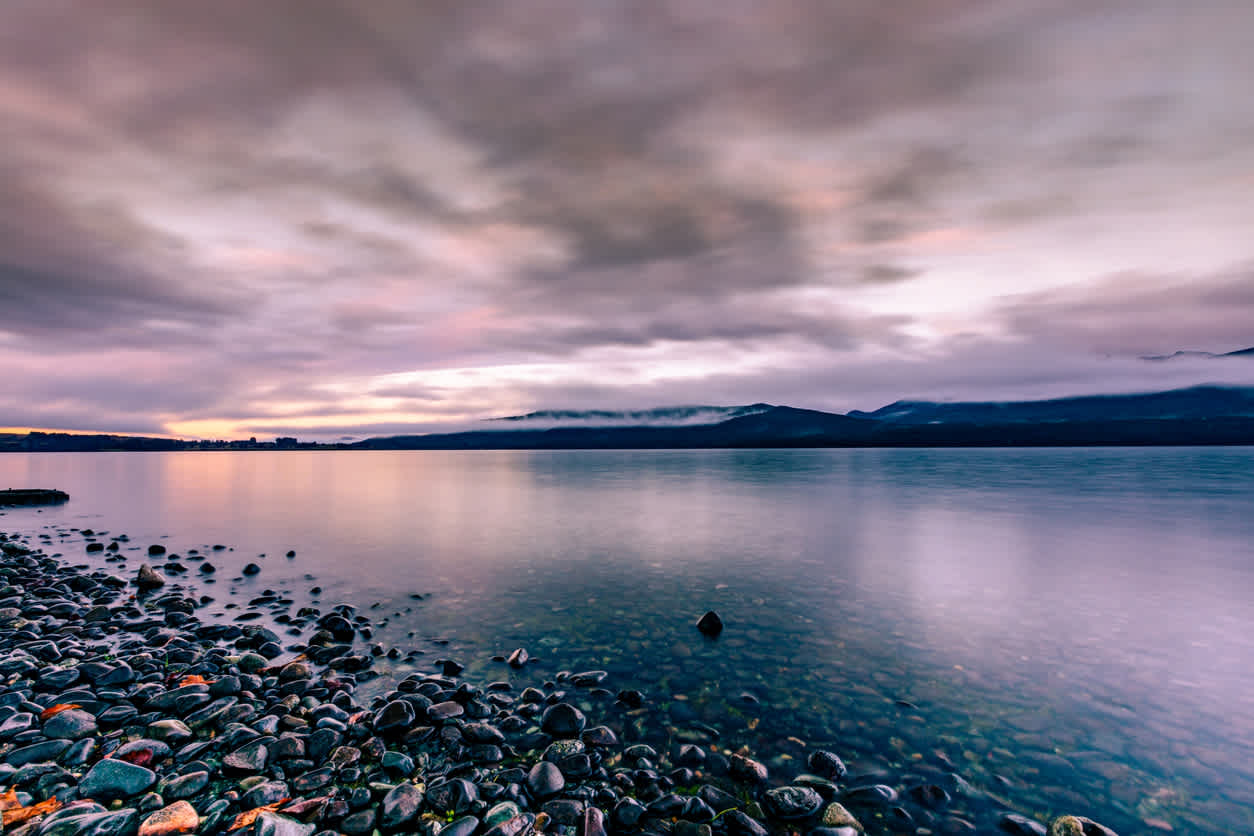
pixel 1067 630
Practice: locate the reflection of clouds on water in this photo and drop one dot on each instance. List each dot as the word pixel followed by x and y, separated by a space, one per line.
pixel 1083 610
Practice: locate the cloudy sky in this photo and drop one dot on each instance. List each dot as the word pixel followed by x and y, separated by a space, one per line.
pixel 355 217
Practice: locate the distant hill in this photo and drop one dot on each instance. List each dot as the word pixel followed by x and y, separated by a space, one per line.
pixel 1200 415
pixel 1196 403
pixel 1204 355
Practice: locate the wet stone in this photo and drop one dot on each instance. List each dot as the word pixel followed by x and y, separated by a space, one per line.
pixel 502 812
pixel 1078 826
pixel 250 757
pixel 517 826
pixel 1017 825
pixel 265 793
pixel 683 827
pixel 400 806
pixel 456 795
pixel 359 823
pixel 394 717
pixel 179 817
pixel 564 811
pixel 110 779
pixel 170 731
pixel 747 770
pixel 445 710
pixel 48 750
pixel 273 824
pixel 835 815
pixel 186 786
pixel 562 720
pixel 545 780
pixel 827 764
pixel 930 795
pixel 594 823
pixel 465 826
pixel 143 752
pixel 149 578
pixel 739 824
pixel 91 821
pixel 710 624
pixel 871 794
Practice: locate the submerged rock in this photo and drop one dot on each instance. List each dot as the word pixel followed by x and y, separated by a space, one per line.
pixel 149 578
pixel 710 624
pixel 1078 826
pixel 791 803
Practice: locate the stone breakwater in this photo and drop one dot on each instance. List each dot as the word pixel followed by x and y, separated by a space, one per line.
pixel 122 712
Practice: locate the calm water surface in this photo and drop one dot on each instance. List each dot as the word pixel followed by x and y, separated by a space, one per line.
pixel 1070 630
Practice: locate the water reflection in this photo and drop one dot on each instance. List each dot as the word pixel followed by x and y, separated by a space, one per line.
pixel 1085 610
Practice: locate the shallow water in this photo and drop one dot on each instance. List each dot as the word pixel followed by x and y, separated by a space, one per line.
pixel 1069 630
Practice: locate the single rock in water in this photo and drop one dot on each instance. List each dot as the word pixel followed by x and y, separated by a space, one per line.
pixel 710 624
pixel 179 817
pixel 827 764
pixel 155 550
pixel 793 802
pixel 149 578
pixel 252 569
pixel 518 658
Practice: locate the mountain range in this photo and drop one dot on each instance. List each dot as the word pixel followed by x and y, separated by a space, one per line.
pixel 1199 355
pixel 1192 416
pixel 1197 415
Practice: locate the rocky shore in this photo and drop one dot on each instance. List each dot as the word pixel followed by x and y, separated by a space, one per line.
pixel 123 712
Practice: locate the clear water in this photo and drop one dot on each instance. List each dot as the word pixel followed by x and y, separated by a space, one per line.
pixel 1073 628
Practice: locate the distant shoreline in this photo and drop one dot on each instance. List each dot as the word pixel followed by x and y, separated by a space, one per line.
pixel 1197 416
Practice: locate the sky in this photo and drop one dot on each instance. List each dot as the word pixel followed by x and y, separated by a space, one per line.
pixel 330 218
